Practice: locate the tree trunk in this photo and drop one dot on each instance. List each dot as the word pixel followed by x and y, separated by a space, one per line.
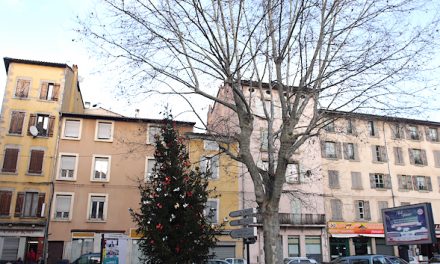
pixel 271 230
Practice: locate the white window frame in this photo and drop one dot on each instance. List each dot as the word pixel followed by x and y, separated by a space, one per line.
pixel 92 176
pixel 361 209
pixel 293 178
pixel 329 155
pixel 64 128
pixel 351 155
pixel 111 131
pixel 379 180
pixel 148 132
pixel 207 159
pixel 59 176
pixel 413 132
pixel 210 145
pixel 54 205
pixel 217 213
pixel 146 176
pixel 89 207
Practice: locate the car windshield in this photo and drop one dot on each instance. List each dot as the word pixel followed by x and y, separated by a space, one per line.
pixel 396 260
pixel 436 259
pixel 360 261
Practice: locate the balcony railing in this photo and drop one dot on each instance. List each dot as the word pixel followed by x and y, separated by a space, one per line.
pixel 298 219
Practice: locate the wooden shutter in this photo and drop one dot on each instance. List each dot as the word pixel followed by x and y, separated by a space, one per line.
pixel 345 150
pixel 5 202
pixel 36 163
pixel 387 181
pixel 409 183
pixel 428 183
pixel 400 181
pixel 437 158
pixel 22 89
pixel 420 132
pixel 428 138
pixel 372 181
pixel 41 197
pixel 333 177
pixel 32 120
pixel 336 207
pixel 16 125
pixel 43 92
pixel 367 214
pixel 19 204
pixel 356 180
pixel 51 126
pixel 10 160
pixel 323 149
pixel 356 208
pixel 398 156
pixel 338 146
pixel 383 153
pixel 356 152
pixel 55 92
pixel 424 159
pixel 411 156
pixel 374 153
pixel 415 185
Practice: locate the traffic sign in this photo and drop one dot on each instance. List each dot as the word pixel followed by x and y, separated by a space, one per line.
pixel 246 232
pixel 244 212
pixel 243 221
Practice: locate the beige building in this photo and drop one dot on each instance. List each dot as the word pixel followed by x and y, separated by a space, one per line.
pixel 372 162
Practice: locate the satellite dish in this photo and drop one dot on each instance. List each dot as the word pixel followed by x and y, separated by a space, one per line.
pixel 33 130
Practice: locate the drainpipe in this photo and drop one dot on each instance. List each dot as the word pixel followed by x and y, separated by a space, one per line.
pixel 388 162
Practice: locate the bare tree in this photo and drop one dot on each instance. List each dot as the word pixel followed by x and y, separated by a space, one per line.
pixel 318 54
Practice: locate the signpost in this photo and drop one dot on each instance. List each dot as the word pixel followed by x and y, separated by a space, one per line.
pixel 249 234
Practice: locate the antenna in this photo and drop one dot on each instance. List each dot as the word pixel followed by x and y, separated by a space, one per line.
pixel 33 130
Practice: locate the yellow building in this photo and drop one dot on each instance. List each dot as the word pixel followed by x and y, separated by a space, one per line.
pixel 225 180
pixel 29 127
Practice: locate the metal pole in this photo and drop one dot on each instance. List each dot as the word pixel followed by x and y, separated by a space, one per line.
pixel 247 253
pixel 102 249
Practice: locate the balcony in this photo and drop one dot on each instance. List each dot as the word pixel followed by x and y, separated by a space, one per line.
pixel 298 219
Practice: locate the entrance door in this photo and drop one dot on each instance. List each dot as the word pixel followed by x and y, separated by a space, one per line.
pixel 55 252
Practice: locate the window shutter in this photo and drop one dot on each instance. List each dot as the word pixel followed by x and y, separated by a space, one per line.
pixel 55 92
pixel 374 153
pixel 356 207
pixel 43 92
pixel 409 183
pixel 367 214
pixel 424 159
pixel 372 181
pixel 383 153
pixel 323 149
pixel 411 156
pixel 415 185
pixel 5 202
pixel 336 207
pixel 437 158
pixel 345 150
pixel 356 152
pixel 438 182
pixel 10 160
pixel 387 181
pixel 428 183
pixel 333 177
pixel 32 120
pixel 420 132
pixel 16 125
pixel 215 167
pixel 19 204
pixel 356 180
pixel 353 126
pixel 22 89
pixel 428 138
pixel 51 125
pixel 36 163
pixel 338 150
pixel 203 162
pixel 398 156
pixel 400 181
pixel 41 197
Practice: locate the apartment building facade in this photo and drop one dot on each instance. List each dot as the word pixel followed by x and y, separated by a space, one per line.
pixel 373 162
pixel 33 98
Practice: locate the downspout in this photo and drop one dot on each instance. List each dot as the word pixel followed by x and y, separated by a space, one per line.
pixel 388 163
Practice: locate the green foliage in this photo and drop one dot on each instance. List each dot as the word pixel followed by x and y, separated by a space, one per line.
pixel 171 218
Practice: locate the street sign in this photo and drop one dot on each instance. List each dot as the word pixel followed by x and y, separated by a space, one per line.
pixel 244 212
pixel 246 232
pixel 243 221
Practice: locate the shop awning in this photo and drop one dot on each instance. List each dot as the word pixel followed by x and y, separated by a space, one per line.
pixel 373 235
pixel 344 235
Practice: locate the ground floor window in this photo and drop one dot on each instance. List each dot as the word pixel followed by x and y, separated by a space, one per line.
pixel 313 248
pixel 293 246
pixel 382 248
pixel 362 245
pixel 339 247
pixel 136 252
pixel 10 248
pixel 81 246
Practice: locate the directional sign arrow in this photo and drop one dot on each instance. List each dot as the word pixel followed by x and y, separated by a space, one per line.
pixel 244 221
pixel 244 212
pixel 246 232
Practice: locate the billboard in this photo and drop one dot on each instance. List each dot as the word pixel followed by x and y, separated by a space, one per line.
pixel 409 225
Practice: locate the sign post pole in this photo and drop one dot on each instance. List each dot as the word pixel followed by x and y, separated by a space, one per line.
pixel 249 234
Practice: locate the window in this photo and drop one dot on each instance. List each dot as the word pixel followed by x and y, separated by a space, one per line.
pixel 264 139
pixel 381 205
pixel 422 183
pixel 22 89
pixel 362 210
pixel 330 127
pixel 67 166
pixel 49 91
pixel 211 211
pixel 292 173
pixel 101 168
pixel 372 129
pixel 380 181
pixel 97 207
pixel 405 182
pixel 432 134
pixel 379 153
pixel 413 133
pixel 104 130
pixel 356 180
pixel 210 165
pixel 36 162
pixel 210 145
pixel 336 207
pixel 350 151
pixel 63 205
pixel 5 202
pixel 293 246
pixel 149 166
pixel 397 130
pixel 398 156
pixel 10 160
pixel 350 127
pixel 16 124
pixel 418 157
pixel 333 179
pixel 29 204
pixel 313 248
pixel 43 123
pixel 152 132
pixel 330 150
pixel 72 129
pixel 437 158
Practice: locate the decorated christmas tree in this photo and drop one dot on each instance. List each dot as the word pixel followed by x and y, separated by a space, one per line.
pixel 172 219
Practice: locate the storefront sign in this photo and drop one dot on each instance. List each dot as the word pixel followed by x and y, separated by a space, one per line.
pixel 355 228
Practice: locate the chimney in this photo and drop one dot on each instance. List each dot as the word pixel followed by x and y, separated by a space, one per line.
pixel 87 105
pixel 136 113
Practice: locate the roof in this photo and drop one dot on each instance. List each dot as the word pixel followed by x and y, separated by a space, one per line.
pixel 8 61
pixel 122 118
pixel 101 112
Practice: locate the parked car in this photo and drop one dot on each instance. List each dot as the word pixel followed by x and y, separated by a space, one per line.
pixel 235 261
pixel 299 260
pixel 413 260
pixel 216 261
pixel 434 260
pixel 369 259
pixel 89 258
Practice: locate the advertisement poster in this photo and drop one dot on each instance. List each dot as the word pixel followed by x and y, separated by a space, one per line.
pixel 409 225
pixel 115 249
